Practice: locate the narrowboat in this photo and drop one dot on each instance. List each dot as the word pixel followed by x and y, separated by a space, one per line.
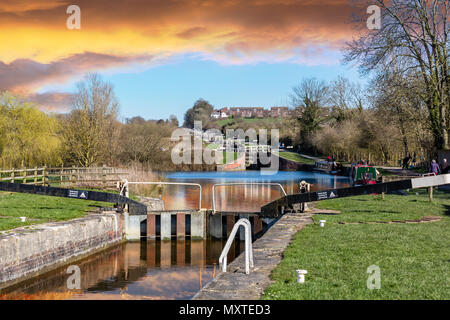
pixel 363 174
pixel 327 167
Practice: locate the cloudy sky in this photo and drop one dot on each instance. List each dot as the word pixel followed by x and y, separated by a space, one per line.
pixel 162 55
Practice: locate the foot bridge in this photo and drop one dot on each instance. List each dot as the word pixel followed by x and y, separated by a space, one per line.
pixel 143 220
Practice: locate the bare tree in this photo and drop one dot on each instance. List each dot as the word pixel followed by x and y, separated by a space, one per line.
pixel 90 129
pixel 311 97
pixel 310 90
pixel 344 97
pixel 395 101
pixel 414 36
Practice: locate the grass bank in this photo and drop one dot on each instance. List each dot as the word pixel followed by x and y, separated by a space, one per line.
pixel 295 157
pixel 40 209
pixel 265 121
pixel 414 259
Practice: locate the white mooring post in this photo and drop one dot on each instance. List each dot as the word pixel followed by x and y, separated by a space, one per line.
pixel 301 276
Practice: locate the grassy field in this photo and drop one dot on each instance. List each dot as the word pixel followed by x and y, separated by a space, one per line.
pixel 229 155
pixel 40 209
pixel 232 155
pixel 295 157
pixel 414 259
pixel 223 122
pixel 212 146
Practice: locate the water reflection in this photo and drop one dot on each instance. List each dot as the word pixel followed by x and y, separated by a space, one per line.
pixel 135 270
pixel 240 198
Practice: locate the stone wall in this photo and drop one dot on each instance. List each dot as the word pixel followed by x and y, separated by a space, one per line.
pixel 237 165
pixel 26 252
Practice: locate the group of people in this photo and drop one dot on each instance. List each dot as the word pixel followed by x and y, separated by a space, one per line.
pixel 334 165
pixel 437 168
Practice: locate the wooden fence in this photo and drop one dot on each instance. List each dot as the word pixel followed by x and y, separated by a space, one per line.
pixel 94 177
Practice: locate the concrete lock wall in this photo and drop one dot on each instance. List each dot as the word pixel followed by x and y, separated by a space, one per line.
pixel 136 225
pixel 198 225
pixel 132 224
pixel 28 252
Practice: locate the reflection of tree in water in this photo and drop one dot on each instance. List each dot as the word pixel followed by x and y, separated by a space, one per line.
pixel 147 270
pixel 247 198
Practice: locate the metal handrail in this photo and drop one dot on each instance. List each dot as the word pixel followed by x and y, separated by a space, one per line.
pixel 126 183
pixel 248 246
pixel 242 184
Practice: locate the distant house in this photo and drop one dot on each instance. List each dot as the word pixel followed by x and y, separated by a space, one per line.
pixel 215 114
pixel 220 113
pixel 252 112
pixel 247 112
pixel 224 113
pixel 276 112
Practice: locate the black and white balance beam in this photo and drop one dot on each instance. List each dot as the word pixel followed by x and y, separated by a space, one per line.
pixel 134 207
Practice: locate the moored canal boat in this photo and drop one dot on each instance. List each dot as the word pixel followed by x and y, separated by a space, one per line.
pixel 362 174
pixel 328 167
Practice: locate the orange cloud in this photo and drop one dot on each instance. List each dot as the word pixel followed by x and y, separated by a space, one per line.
pixel 26 74
pixel 138 27
pixel 37 48
pixel 17 6
pixel 51 101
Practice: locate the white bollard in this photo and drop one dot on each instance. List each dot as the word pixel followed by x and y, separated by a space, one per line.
pixel 322 223
pixel 301 276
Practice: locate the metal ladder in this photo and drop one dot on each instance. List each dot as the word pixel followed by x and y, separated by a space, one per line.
pixel 248 245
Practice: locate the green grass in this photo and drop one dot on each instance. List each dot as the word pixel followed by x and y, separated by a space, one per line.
pixel 295 157
pixel 232 156
pixel 212 146
pixel 223 122
pixel 371 208
pixel 40 209
pixel 414 259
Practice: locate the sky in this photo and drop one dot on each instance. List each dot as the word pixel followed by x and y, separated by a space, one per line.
pixel 163 55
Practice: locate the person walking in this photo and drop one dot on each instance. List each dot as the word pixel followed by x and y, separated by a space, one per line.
pixel 406 162
pixel 434 168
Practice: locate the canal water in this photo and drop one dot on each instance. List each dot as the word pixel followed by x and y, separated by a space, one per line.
pixel 146 270
pixel 248 198
pixel 171 269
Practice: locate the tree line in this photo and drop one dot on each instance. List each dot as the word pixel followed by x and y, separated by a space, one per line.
pixel 90 134
pixel 406 105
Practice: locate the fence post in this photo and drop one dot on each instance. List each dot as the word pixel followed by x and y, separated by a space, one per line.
pixel 61 175
pixel 382 194
pixel 12 175
pixel 24 175
pixel 35 175
pixel 430 193
pixel 72 178
pixel 103 177
pixel 44 175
